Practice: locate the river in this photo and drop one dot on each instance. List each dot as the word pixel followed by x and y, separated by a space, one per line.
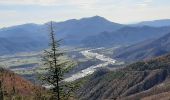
pixel 90 70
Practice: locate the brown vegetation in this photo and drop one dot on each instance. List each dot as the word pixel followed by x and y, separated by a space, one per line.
pixel 14 86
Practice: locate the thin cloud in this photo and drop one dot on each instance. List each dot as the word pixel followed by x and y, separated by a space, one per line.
pixel 145 3
pixel 40 11
pixel 32 2
pixel 47 2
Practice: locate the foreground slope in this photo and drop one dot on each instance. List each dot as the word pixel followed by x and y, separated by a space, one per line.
pixel 136 81
pixel 14 85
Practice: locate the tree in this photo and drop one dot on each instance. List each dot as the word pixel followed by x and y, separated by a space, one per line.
pixel 1 91
pixel 55 68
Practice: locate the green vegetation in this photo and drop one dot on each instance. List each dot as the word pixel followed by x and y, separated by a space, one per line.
pixel 56 68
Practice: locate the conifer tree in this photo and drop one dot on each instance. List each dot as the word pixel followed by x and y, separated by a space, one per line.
pixel 55 68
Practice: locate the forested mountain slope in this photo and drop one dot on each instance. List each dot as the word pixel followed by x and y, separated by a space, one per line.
pixel 136 81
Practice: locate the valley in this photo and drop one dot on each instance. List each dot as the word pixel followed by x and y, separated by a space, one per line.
pixel 89 54
pixel 29 65
pixel 102 59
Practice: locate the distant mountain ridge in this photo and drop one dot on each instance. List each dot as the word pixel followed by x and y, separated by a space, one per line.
pixel 87 32
pixel 73 31
pixel 125 36
pixel 154 23
pixel 30 37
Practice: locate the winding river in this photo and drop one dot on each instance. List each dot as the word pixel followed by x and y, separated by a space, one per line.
pixel 91 69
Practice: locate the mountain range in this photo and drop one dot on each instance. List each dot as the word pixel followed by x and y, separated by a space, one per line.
pixel 87 32
pixel 31 37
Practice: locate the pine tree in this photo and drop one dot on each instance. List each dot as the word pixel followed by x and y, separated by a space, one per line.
pixel 55 68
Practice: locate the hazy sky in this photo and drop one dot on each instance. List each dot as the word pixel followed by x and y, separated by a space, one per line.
pixel 14 12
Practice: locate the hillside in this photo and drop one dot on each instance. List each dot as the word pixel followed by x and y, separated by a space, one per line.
pixel 145 50
pixel 136 81
pixel 125 36
pixel 16 86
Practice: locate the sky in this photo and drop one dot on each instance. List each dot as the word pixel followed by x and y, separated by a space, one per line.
pixel 15 12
